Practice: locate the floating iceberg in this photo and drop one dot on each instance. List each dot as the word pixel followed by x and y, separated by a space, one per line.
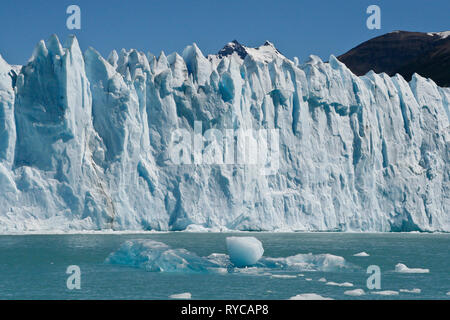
pixel 386 293
pixel 361 254
pixel 244 251
pixel 401 268
pixel 415 290
pixel 343 284
pixel 156 256
pixel 309 296
pixel 181 296
pixel 355 292
pixel 284 276
pixel 308 262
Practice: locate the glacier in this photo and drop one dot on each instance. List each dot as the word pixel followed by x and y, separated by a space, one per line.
pixel 85 143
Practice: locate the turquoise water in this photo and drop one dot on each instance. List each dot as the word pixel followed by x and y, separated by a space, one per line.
pixel 34 267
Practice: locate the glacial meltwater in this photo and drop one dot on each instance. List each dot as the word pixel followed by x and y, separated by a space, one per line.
pixel 164 265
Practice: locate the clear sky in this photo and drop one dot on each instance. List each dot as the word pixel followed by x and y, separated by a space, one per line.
pixel 296 27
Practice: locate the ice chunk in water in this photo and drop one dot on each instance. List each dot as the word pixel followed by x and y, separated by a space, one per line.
pixel 344 284
pixel 181 296
pixel 400 267
pixel 386 293
pixel 244 251
pixel 309 296
pixel 356 292
pixel 361 254
pixel 158 257
pixel 284 276
pixel 415 290
pixel 308 262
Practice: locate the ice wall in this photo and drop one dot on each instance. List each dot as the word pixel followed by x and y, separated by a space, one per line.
pixel 85 144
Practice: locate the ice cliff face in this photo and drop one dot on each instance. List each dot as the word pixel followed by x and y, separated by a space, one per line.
pixel 85 143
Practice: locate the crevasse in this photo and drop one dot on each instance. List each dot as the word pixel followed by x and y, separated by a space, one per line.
pixel 84 144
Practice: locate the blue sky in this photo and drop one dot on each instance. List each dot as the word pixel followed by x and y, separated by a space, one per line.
pixel 296 27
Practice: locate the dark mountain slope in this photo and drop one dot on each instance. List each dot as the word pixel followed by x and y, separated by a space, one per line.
pixel 427 54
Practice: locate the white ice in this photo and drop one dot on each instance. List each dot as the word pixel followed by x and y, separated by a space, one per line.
pixel 309 296
pixel 309 262
pixel 343 284
pixel 385 293
pixel 355 292
pixel 284 276
pixel 361 254
pixel 244 251
pixel 401 268
pixel 85 144
pixel 415 290
pixel 156 256
pixel 181 296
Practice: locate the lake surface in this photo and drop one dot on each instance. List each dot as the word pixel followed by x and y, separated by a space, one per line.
pixel 34 267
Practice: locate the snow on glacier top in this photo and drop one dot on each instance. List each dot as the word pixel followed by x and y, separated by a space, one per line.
pixel 265 53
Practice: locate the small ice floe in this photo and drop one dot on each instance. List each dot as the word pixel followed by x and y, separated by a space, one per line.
pixel 448 293
pixel 244 251
pixel 415 290
pixel 300 275
pixel 251 270
pixel 309 296
pixel 218 270
pixel 386 293
pixel 343 284
pixel 308 262
pixel 181 296
pixel 284 276
pixel 194 228
pixel 361 254
pixel 355 293
pixel 400 267
pixel 308 279
pixel 322 280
